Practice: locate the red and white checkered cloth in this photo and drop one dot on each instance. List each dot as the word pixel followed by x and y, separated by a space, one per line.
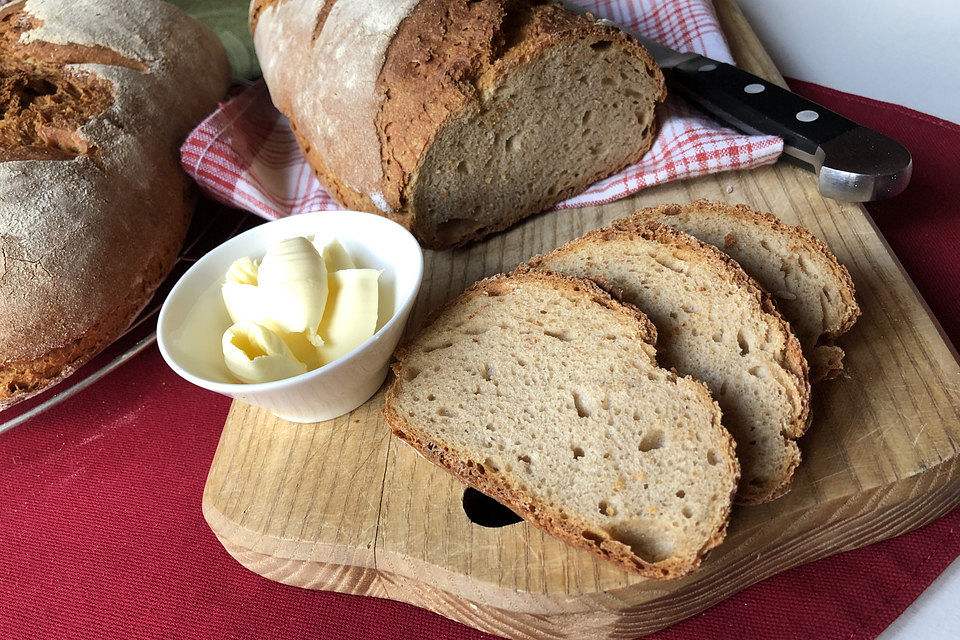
pixel 245 155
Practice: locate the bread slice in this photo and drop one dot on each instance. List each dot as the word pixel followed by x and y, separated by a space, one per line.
pixel 812 290
pixel 542 391
pixel 715 323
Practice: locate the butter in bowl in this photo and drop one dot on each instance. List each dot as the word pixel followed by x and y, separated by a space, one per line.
pixel 300 307
pixel 298 316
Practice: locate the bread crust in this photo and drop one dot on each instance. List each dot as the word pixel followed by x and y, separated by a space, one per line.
pixel 350 198
pixel 570 530
pixel 794 364
pixel 85 239
pixel 826 359
pixel 256 8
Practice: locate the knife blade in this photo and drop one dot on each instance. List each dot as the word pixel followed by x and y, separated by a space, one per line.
pixel 853 163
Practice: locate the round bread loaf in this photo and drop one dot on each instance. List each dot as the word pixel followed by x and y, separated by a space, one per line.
pixel 95 98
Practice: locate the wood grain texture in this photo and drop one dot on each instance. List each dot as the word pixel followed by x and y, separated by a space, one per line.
pixel 344 506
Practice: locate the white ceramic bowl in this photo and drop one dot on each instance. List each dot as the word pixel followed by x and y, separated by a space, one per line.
pixel 193 317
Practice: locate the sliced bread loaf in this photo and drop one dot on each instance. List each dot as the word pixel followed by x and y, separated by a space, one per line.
pixel 456 118
pixel 812 290
pixel 715 323
pixel 542 391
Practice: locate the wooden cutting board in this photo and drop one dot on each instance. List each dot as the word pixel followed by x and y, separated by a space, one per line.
pixel 344 506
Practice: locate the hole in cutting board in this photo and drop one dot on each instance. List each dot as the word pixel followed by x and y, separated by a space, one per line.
pixel 485 511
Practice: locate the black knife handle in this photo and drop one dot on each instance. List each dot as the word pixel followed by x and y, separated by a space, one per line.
pixel 754 105
pixel 854 163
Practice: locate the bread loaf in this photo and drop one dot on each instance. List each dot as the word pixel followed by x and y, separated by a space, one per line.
pixel 542 391
pixel 456 118
pixel 95 97
pixel 716 324
pixel 813 291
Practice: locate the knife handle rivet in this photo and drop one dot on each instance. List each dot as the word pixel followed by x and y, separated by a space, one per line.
pixel 707 67
pixel 807 115
pixel 754 87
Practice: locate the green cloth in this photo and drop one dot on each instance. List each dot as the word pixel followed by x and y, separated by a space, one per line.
pixel 228 19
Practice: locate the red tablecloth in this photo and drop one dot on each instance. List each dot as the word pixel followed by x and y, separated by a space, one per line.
pixel 101 534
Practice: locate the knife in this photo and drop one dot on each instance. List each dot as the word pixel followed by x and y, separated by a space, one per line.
pixel 852 163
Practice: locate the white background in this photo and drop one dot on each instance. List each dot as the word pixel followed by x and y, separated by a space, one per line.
pixel 906 52
pixel 901 51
